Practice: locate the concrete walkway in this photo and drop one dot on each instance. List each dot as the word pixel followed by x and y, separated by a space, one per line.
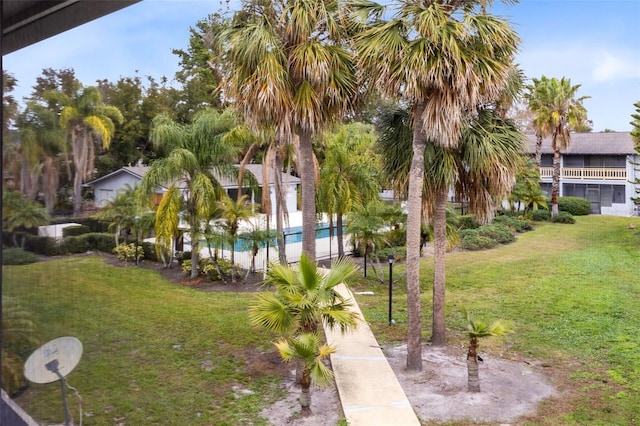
pixel 369 390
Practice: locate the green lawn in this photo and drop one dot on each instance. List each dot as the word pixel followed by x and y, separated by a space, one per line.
pixel 572 293
pixel 155 353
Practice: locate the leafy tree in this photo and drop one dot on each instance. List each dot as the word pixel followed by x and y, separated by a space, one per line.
pixel 478 329
pixel 444 59
pixel 9 104
pixel 195 152
pixel 308 348
pixel 348 175
pixel 198 73
pixel 285 65
pixel 556 112
pixel 21 213
pixel 86 119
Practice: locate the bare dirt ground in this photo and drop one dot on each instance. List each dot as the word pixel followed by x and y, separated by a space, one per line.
pixel 511 388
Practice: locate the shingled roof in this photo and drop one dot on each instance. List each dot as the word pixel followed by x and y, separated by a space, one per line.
pixel 595 143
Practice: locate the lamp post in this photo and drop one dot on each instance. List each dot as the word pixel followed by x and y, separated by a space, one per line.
pixel 136 219
pixel 391 259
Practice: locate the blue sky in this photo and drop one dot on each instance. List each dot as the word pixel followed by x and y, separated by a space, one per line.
pixel 595 43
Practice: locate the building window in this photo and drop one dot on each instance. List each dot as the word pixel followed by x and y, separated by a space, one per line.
pixel 619 196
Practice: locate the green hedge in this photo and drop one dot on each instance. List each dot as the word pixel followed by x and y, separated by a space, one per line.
pixel 75 230
pixel 541 215
pixel 470 239
pixel 575 205
pixel 564 217
pixel 468 221
pixel 16 256
pixel 514 223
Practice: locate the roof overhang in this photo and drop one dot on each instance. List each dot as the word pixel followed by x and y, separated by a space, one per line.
pixel 25 22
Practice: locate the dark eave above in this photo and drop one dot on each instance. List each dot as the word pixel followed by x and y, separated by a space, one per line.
pixel 25 22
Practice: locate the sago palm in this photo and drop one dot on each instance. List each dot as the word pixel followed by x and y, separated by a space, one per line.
pixel 444 59
pixel 285 64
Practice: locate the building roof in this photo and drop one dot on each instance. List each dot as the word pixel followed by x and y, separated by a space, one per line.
pixel 594 143
pixel 255 169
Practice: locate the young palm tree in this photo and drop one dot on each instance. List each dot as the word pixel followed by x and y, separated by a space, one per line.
pixel 121 211
pixel 20 213
pixel 86 118
pixel 365 225
pixel 285 64
pixel 480 169
pixel 348 175
pixel 556 111
pixel 477 329
pixel 444 59
pixel 232 213
pixel 304 298
pixel 195 151
pixel 308 348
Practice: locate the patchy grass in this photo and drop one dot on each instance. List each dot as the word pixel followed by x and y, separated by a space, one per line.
pixel 154 353
pixel 571 292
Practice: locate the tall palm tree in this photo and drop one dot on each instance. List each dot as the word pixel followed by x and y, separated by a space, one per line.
pixel 556 110
pixel 195 152
pixel 348 174
pixel 41 143
pixel 285 64
pixel 86 118
pixel 480 169
pixel 444 59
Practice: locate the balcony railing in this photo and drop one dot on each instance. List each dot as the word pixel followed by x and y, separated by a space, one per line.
pixel 591 173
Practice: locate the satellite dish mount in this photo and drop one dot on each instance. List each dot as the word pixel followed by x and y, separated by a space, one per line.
pixel 53 361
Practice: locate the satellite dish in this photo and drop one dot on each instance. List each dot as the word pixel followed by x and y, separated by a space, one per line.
pixel 53 360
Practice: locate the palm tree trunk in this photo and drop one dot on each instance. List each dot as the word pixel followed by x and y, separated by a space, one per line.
pixel 307 175
pixel 339 235
pixel 473 378
pixel 555 186
pixel 414 220
pixel 439 244
pixel 281 208
pixel 305 394
pixel 195 247
pixel 539 151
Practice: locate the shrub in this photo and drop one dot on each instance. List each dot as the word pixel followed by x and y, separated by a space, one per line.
pixel 468 222
pixel 470 239
pixel 518 225
pixel 16 256
pixel 564 217
pixel 75 230
pixel 92 223
pixel 127 252
pixel 45 246
pixel 575 205
pixel 500 233
pixel 541 215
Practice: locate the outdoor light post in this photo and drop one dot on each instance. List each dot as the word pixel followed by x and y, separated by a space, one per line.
pixel 391 259
pixel 136 219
